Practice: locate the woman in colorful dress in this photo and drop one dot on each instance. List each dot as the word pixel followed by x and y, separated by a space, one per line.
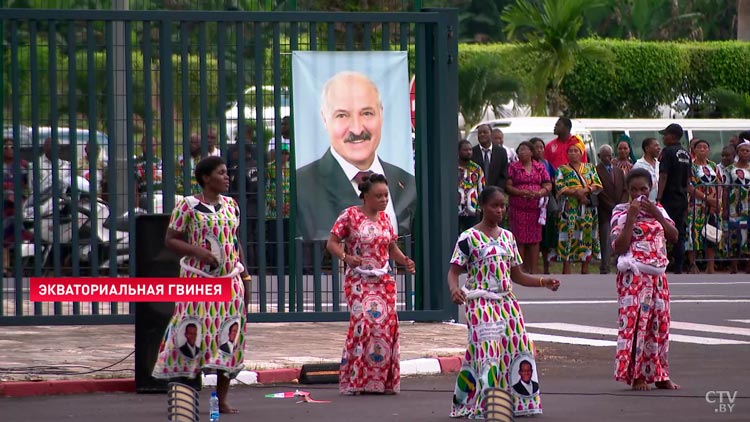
pixel 500 353
pixel 204 229
pixel 577 185
pixel 549 232
pixel 370 361
pixel 640 231
pixel 528 182
pixel 703 204
pixel 737 208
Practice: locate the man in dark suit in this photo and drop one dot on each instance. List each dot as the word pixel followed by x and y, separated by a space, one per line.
pixel 352 114
pixel 189 349
pixel 492 158
pixel 228 346
pixel 613 192
pixel 526 386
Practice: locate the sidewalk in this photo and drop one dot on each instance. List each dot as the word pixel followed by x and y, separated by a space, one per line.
pixel 73 357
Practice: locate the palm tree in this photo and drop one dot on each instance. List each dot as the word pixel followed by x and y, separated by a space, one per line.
pixel 551 30
pixel 482 86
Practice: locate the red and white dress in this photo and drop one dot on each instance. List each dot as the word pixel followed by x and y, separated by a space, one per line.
pixel 643 296
pixel 370 361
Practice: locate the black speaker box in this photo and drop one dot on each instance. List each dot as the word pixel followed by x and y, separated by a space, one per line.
pixel 153 259
pixel 320 373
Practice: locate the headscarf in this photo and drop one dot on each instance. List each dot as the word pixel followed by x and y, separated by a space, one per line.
pixel 579 144
pixel 625 138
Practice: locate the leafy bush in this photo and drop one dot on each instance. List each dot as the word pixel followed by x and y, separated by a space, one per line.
pixel 640 77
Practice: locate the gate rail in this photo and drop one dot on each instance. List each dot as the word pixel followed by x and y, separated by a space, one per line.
pixel 113 80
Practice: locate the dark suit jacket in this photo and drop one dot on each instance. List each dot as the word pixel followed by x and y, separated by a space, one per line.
pixel 224 348
pixel 613 189
pixel 498 173
pixel 186 351
pixel 323 191
pixel 520 389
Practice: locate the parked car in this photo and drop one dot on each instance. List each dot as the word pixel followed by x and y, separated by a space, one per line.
pixel 519 129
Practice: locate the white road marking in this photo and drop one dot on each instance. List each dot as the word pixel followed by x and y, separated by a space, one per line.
pixel 600 302
pixel 571 340
pixel 717 329
pixel 588 329
pixel 564 302
pixel 709 283
pixel 742 321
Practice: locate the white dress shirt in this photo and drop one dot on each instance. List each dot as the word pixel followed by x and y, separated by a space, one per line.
pixel 351 171
pixel 284 141
pixel 46 176
pixel 512 156
pixel 654 171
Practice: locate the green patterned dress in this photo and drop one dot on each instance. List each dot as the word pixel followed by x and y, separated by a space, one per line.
pixel 498 342
pixel 704 179
pixel 578 224
pixel 738 179
pixel 218 328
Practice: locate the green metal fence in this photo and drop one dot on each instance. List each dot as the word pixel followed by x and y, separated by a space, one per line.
pixel 107 102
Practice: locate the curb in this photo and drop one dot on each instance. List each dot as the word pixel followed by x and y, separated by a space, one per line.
pixel 49 388
pixel 422 366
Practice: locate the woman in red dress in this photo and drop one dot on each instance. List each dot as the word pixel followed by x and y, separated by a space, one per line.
pixel 640 231
pixel 370 362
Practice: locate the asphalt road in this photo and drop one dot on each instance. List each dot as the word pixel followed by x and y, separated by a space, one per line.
pixel 708 357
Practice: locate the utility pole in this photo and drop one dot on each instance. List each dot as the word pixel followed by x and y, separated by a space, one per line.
pixel 120 111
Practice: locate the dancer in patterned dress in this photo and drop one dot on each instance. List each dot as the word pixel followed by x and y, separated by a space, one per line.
pixel 500 353
pixel 576 183
pixel 640 230
pixel 704 203
pixel 737 208
pixel 203 229
pixel 370 362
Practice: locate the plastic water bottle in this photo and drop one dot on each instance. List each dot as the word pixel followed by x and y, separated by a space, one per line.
pixel 213 405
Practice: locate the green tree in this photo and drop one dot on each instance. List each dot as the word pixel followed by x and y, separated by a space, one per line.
pixel 481 86
pixel 551 30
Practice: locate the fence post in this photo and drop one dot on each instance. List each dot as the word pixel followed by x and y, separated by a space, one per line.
pixel 439 214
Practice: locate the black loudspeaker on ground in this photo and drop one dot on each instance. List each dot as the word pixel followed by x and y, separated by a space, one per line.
pixel 153 259
pixel 319 373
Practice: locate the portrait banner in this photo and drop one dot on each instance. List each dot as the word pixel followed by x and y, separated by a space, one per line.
pixel 351 118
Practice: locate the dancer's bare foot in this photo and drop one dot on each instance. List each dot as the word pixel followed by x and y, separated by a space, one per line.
pixel 640 385
pixel 694 269
pixel 227 408
pixel 667 385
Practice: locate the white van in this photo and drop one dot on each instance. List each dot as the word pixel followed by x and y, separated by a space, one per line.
pixel 716 131
pixel 519 129
pixel 269 112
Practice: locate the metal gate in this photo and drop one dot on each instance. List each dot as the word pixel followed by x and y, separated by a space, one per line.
pixel 106 102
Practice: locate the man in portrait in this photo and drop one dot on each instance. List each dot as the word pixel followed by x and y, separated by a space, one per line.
pixel 352 114
pixel 228 346
pixel 190 349
pixel 526 386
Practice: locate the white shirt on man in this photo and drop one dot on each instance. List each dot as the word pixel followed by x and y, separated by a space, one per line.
pixel 512 156
pixel 46 176
pixel 351 171
pixel 654 171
